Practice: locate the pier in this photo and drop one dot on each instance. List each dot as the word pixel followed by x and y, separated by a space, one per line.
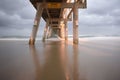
pixel 56 14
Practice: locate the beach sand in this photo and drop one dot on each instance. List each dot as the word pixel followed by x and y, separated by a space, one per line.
pixel 92 59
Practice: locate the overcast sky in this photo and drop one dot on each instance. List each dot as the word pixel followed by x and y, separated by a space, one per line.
pixel 102 17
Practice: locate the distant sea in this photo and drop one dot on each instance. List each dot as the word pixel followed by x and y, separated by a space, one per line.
pixel 40 37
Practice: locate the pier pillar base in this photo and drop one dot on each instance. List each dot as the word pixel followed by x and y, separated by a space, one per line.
pixel 32 41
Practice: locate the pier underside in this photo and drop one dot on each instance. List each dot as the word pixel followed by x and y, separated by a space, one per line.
pixel 56 14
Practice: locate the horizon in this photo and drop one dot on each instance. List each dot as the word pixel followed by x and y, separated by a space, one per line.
pixel 69 36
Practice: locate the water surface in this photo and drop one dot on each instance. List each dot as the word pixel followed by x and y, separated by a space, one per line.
pixel 97 59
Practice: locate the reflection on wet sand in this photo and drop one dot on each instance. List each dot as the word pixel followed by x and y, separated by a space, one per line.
pixel 57 60
pixel 36 62
pixel 57 65
pixel 75 63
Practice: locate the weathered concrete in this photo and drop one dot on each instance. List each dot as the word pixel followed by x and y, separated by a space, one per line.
pixel 36 24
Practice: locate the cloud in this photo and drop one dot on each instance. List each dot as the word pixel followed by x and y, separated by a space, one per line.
pixel 102 7
pixel 18 16
pixel 6 20
pixel 101 13
pixel 12 6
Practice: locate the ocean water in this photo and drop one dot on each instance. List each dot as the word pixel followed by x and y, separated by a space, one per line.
pixel 95 58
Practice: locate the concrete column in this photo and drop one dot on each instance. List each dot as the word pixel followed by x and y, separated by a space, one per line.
pixel 62 30
pixel 58 32
pixel 36 24
pixel 45 31
pixel 75 24
pixel 66 31
pixel 49 32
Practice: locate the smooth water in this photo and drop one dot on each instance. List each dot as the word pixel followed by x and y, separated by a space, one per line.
pixel 97 59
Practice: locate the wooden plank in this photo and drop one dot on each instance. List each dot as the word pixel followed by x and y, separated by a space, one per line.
pixel 62 5
pixel 54 5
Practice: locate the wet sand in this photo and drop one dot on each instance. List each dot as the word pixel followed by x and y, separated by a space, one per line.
pixel 92 59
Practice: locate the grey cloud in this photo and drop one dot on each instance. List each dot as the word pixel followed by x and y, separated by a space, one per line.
pixel 18 16
pixel 101 13
pixel 9 21
pixel 6 20
pixel 11 6
pixel 27 12
pixel 115 12
pixel 102 7
pixel 93 31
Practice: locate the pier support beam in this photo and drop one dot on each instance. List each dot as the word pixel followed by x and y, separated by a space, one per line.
pixel 62 30
pixel 45 32
pixel 75 24
pixel 49 32
pixel 66 31
pixel 59 32
pixel 36 24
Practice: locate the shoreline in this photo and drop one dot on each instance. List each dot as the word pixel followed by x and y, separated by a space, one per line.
pixel 80 38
